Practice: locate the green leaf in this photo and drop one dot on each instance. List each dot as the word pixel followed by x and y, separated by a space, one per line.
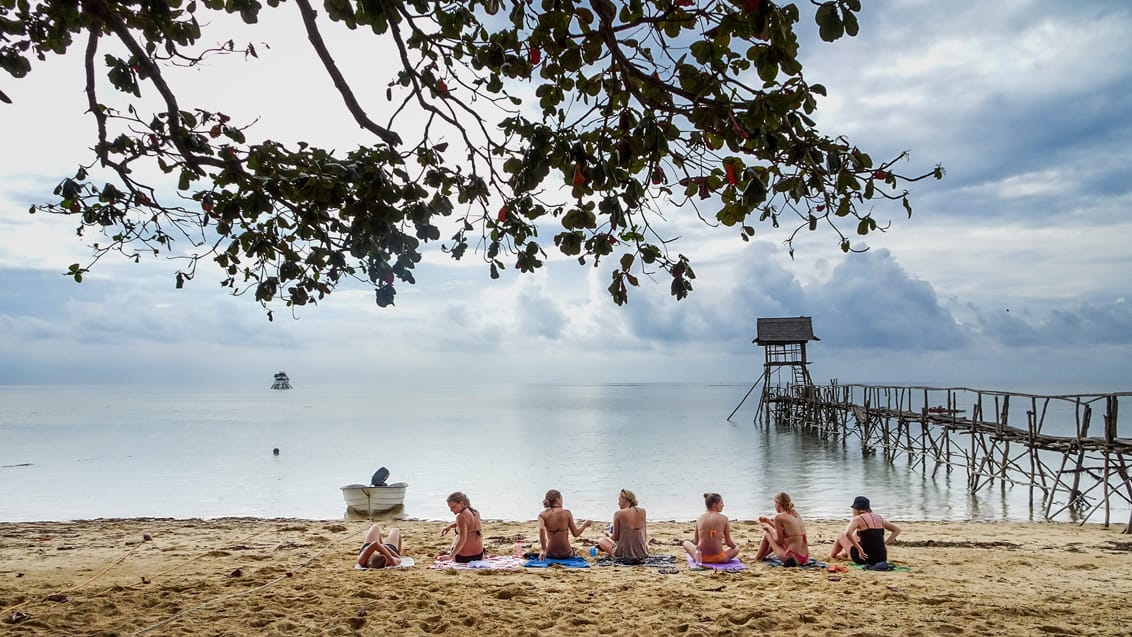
pixel 830 27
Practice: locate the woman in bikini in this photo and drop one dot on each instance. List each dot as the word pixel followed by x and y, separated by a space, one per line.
pixel 713 532
pixel 555 525
pixel 378 552
pixel 628 539
pixel 468 546
pixel 863 540
pixel 785 535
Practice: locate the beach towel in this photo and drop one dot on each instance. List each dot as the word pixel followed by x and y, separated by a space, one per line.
pixel 880 566
pixel 811 563
pixel 654 561
pixel 489 562
pixel 406 562
pixel 569 562
pixel 733 565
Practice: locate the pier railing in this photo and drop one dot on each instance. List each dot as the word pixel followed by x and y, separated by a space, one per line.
pixel 1066 449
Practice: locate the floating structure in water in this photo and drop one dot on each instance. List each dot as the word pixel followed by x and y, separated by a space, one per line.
pixel 281 381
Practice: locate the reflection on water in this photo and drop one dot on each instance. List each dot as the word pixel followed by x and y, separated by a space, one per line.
pixel 207 452
pixel 396 513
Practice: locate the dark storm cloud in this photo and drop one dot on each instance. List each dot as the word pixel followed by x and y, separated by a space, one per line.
pixel 871 301
pixel 993 91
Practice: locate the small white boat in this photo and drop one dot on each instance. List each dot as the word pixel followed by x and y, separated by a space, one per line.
pixel 364 499
pixel 281 381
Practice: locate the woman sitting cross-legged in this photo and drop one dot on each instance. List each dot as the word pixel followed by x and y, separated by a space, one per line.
pixel 713 532
pixel 628 539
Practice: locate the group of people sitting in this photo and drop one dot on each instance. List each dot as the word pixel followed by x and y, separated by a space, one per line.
pixel 784 536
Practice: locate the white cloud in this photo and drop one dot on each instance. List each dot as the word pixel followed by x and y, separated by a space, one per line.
pixel 1023 102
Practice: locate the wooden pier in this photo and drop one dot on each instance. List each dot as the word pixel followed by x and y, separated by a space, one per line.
pixel 1066 449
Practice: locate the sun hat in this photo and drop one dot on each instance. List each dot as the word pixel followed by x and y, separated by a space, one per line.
pixel 861 503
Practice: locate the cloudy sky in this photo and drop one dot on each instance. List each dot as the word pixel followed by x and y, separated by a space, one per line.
pixel 1012 273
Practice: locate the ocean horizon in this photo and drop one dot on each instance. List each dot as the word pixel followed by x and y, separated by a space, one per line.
pixel 83 452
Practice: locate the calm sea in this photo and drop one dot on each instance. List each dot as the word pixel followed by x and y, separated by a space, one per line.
pixel 98 452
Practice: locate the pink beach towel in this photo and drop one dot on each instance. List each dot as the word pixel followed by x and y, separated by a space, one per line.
pixel 733 565
pixel 489 562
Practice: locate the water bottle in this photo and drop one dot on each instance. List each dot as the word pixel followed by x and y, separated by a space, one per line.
pixel 518 548
pixel 593 551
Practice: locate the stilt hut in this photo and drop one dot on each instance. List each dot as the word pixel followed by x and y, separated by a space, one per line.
pixel 784 344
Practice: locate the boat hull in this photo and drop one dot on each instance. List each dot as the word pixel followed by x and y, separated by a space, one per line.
pixel 369 499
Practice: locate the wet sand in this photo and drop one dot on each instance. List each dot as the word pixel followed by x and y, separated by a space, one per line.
pixel 296 577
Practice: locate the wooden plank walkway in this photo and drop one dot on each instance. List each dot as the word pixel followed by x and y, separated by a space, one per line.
pixel 1044 445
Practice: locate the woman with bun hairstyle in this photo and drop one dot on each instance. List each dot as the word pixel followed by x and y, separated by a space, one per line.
pixel 713 534
pixel 555 526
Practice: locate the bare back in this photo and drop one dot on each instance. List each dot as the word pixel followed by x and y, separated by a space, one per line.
pixel 712 530
pixel 628 519
pixel 792 532
pixel 557 524
pixel 470 536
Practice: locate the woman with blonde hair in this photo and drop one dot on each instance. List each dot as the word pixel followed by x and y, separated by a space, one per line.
pixel 627 538
pixel 713 532
pixel 468 546
pixel 785 535
pixel 555 526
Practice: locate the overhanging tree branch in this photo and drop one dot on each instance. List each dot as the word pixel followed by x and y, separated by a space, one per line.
pixel 644 110
pixel 315 38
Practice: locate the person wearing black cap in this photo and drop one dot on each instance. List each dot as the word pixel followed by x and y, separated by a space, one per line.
pixel 863 540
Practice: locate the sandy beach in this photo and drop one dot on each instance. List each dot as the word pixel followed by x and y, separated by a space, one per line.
pixel 240 576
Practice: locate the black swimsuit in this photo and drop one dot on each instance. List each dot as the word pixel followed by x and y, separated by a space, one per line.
pixel 872 543
pixel 388 546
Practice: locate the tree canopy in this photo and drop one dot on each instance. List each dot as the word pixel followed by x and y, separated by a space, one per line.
pixel 644 108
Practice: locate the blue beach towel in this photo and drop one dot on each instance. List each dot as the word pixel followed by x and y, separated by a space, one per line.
pixel 569 562
pixel 811 563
